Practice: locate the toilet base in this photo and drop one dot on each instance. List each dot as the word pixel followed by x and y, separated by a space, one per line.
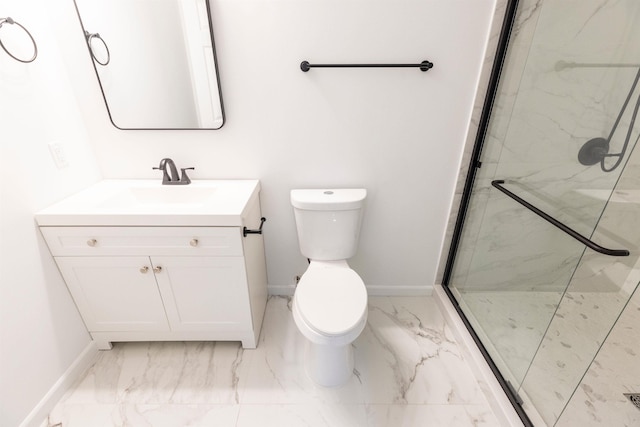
pixel 328 365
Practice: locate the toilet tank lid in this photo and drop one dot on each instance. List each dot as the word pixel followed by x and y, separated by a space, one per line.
pixel 328 199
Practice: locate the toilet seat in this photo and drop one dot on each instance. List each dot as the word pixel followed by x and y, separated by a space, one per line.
pixel 332 300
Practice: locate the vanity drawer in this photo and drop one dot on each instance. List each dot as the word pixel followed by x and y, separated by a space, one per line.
pixel 97 241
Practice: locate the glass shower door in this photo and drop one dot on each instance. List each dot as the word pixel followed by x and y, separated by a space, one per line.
pixel 560 138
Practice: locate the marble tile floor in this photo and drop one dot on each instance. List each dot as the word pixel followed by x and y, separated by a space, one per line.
pixel 512 324
pixel 555 349
pixel 409 372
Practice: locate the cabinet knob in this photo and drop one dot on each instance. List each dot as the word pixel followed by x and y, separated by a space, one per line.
pixel 157 269
pixel 144 269
pixel 92 242
pixel 194 242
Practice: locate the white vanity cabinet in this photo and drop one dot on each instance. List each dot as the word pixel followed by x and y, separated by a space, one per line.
pixel 161 283
pixel 114 293
pixel 204 293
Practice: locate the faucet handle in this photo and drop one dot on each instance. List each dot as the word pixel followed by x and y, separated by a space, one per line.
pixel 184 178
pixel 165 175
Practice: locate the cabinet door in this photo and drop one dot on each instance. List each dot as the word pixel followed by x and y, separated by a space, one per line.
pixel 204 293
pixel 115 293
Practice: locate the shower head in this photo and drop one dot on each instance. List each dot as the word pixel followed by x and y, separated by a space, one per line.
pixel 596 150
pixel 593 151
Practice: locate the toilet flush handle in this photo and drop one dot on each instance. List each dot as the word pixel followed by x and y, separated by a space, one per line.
pixel 246 231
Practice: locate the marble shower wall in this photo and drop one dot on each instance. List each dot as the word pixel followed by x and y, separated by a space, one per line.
pixel 472 130
pixel 543 114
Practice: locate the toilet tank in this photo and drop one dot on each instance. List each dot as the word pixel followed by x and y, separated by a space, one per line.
pixel 328 222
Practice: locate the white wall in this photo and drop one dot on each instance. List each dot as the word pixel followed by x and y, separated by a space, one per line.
pixel 397 132
pixel 41 333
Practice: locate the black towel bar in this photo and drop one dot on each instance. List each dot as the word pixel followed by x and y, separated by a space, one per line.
pixel 571 232
pixel 424 66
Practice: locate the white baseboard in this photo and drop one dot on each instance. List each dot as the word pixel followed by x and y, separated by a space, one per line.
pixel 496 397
pixel 387 291
pixel 281 289
pixel 79 366
pixel 399 291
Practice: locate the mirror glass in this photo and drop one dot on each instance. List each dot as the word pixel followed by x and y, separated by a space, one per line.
pixel 155 61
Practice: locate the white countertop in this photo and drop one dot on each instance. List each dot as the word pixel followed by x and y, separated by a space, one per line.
pixel 149 203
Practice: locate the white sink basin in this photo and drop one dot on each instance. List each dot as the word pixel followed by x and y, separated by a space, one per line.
pixel 159 197
pixel 148 202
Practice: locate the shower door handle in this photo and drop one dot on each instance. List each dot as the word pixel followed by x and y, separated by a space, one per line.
pixel 571 232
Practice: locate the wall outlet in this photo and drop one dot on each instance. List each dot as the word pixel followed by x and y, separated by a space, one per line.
pixel 57 153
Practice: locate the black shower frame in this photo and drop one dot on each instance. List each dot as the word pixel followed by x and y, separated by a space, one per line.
pixel 474 165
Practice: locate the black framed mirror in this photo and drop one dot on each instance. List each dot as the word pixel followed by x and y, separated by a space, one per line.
pixel 155 61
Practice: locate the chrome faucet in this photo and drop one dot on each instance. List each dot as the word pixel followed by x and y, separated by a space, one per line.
pixel 173 179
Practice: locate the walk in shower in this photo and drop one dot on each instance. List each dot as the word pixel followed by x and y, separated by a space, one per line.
pixel 545 258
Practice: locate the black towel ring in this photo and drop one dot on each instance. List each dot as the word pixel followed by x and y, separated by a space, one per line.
pixel 89 36
pixel 9 20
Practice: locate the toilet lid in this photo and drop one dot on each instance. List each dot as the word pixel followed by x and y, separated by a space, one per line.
pixel 331 300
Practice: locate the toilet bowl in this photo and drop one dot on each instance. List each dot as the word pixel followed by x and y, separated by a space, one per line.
pixel 330 310
pixel 330 300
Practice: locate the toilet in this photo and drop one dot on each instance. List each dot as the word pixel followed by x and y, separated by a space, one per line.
pixel 330 300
